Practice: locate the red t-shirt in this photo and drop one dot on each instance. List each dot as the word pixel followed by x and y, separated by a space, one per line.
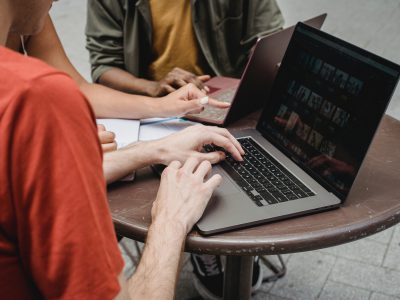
pixel 56 235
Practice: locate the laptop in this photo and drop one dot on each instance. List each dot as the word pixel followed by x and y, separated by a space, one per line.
pixel 315 129
pixel 257 78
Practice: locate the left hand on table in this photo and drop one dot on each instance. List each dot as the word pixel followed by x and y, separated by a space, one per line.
pixel 107 139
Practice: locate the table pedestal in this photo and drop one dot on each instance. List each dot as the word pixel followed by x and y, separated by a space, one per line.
pixel 238 277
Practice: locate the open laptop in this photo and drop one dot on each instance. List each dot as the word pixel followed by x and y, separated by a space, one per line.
pixel 256 82
pixel 325 106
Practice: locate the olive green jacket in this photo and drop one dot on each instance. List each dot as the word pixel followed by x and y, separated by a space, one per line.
pixel 119 33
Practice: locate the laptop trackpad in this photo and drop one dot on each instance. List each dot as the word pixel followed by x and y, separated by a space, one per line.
pixel 227 197
pixel 219 202
pixel 213 89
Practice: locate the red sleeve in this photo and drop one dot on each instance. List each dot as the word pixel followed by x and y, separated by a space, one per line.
pixel 65 235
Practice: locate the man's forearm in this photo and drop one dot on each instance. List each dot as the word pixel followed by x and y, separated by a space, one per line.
pixel 156 275
pixel 120 163
pixel 126 82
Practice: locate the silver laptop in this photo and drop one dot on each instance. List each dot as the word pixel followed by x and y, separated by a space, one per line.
pixel 312 136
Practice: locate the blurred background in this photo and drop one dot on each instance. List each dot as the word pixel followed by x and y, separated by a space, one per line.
pixel 370 24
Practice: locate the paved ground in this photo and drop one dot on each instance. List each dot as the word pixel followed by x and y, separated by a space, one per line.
pixel 366 269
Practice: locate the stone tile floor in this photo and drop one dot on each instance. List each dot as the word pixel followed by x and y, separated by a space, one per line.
pixel 364 269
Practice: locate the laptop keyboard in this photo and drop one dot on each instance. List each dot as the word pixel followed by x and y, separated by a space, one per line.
pixel 226 96
pixel 263 178
pixel 213 113
pixel 216 113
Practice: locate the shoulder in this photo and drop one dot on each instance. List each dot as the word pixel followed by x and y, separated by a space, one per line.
pixel 21 67
pixel 34 84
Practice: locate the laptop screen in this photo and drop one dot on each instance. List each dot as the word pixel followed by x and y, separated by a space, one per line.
pixel 326 104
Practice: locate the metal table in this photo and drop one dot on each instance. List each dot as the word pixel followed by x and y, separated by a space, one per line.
pixel 372 206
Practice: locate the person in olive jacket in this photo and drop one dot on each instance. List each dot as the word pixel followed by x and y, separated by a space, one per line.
pixel 153 47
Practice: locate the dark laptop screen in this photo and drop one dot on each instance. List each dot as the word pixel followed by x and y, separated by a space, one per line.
pixel 326 104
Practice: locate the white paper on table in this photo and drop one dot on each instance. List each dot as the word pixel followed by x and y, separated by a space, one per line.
pixel 152 129
pixel 154 120
pixel 126 132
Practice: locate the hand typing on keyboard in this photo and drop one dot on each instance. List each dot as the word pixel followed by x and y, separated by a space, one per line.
pixel 263 178
pixel 190 141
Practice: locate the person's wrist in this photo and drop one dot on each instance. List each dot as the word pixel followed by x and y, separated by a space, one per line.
pixel 161 151
pixel 148 152
pixel 170 227
pixel 165 109
pixel 154 107
pixel 152 88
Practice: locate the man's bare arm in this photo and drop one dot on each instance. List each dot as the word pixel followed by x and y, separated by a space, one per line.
pixel 178 146
pixel 157 274
pixel 118 164
pixel 181 199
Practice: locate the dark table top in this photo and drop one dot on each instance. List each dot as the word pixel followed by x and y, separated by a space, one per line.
pixel 372 206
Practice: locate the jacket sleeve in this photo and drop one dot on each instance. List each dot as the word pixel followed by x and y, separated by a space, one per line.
pixel 263 17
pixel 105 36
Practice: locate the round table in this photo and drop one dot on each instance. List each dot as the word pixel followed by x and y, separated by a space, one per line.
pixel 372 206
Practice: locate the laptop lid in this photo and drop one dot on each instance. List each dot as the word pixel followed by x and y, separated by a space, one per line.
pixel 246 94
pixel 325 106
pixel 261 69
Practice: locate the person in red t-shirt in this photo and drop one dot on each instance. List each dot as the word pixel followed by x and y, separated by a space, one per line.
pixel 56 234
pixel 46 46
pixel 106 102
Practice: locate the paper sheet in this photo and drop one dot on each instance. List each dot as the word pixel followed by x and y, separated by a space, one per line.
pixel 152 129
pixel 126 131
